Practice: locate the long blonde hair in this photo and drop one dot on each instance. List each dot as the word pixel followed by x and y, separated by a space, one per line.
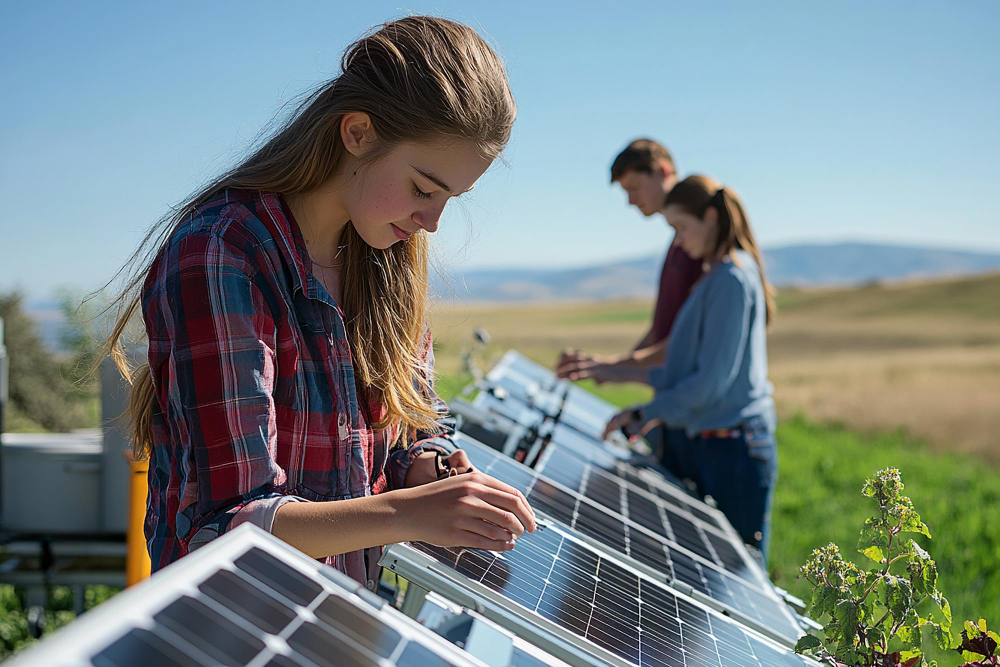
pixel 419 78
pixel 695 194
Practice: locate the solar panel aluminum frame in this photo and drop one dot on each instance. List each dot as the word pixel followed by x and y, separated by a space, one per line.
pixel 423 570
pixel 436 607
pixel 516 362
pixel 135 607
pixel 487 405
pixel 539 387
pixel 516 432
pixel 765 587
pixel 543 396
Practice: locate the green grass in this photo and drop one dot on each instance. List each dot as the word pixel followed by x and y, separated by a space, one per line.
pixel 58 612
pixel 619 394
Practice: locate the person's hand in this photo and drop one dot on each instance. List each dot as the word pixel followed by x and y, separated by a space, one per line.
pixel 569 359
pixel 431 466
pixel 578 366
pixel 624 419
pixel 472 510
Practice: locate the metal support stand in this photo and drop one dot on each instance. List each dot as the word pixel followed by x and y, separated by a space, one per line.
pixel 413 601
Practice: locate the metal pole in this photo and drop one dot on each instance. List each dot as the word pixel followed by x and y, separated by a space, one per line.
pixel 4 394
pixel 115 476
pixel 137 564
pixel 4 378
pixel 413 600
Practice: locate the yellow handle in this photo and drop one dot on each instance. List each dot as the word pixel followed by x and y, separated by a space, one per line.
pixel 137 565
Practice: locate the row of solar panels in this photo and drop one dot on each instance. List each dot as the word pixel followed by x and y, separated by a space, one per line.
pixel 625 569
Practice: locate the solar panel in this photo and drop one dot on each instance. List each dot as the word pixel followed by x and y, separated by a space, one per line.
pixel 574 440
pixel 539 387
pixel 599 460
pixel 708 565
pixel 515 362
pixel 246 599
pixel 619 487
pixel 553 587
pixel 505 409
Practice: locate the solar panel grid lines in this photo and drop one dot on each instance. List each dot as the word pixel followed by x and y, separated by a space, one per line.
pixel 708 536
pixel 613 468
pixel 652 552
pixel 245 599
pixel 611 494
pixel 562 586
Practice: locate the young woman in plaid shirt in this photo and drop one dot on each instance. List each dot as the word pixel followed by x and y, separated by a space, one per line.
pixel 289 376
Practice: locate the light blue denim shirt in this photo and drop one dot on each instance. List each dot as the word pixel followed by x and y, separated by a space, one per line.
pixel 715 372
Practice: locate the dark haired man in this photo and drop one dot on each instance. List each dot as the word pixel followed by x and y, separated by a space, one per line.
pixel 646 171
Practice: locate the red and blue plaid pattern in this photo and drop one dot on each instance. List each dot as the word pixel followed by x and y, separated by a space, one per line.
pixel 256 400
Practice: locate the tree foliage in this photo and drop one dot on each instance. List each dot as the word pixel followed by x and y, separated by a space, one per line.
pixel 55 392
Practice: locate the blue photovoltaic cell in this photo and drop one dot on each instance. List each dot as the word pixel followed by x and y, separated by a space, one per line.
pixel 593 597
pixel 592 460
pixel 662 553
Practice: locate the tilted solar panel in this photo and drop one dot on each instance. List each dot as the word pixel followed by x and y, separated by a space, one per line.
pixel 487 406
pixel 513 361
pixel 246 599
pixel 539 388
pixel 576 469
pixel 577 458
pixel 709 565
pixel 566 589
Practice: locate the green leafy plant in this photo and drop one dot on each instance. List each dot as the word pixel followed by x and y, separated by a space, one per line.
pixel 979 645
pixel 872 614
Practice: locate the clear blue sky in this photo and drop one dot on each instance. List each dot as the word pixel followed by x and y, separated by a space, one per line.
pixel 843 120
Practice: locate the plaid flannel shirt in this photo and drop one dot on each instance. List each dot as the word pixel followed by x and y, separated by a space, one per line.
pixel 256 400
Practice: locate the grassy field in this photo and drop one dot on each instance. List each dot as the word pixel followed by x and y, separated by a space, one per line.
pixel 903 376
pixel 922 357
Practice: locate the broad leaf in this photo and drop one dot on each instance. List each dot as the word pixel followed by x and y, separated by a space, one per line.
pixel 873 541
pixel 898 597
pixel 909 635
pixel 941 637
pixel 823 599
pixel 808 643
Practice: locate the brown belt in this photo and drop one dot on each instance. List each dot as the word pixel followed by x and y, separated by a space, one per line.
pixel 722 433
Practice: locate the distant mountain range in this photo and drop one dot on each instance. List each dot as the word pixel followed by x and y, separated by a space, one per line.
pixel 842 264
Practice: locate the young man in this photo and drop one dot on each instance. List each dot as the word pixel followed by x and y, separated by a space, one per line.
pixel 646 171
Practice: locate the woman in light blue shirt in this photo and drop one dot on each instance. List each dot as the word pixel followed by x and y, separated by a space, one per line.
pixel 713 383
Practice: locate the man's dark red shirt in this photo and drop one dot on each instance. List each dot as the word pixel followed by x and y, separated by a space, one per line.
pixel 680 273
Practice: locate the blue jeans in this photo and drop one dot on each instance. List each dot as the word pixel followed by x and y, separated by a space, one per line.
pixel 740 473
pixel 675 451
